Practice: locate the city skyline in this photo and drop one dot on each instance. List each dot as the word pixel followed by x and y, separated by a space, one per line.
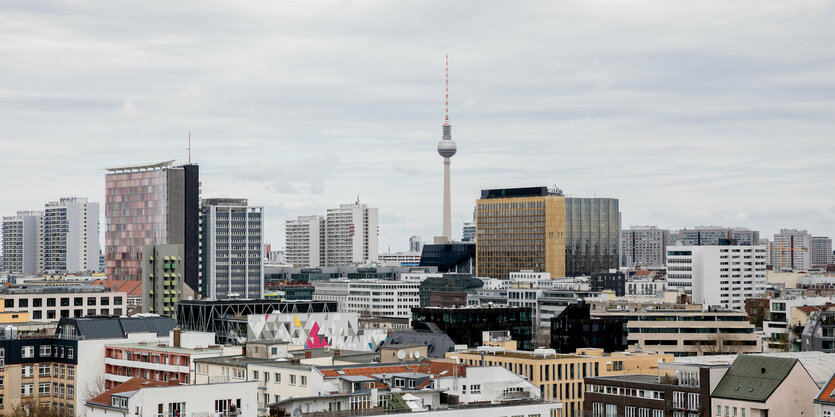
pixel 726 126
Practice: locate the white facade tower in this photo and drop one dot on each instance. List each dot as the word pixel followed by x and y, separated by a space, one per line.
pixel 446 148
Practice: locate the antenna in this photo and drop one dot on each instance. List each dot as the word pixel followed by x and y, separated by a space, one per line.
pixel 189 148
pixel 446 90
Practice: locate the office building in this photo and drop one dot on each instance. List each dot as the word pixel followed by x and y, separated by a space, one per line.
pixel 686 332
pixel 52 303
pixel 448 283
pixel 723 276
pixel 231 249
pixel 305 241
pixel 560 376
pixel 468 232
pixel 22 251
pixel 644 246
pixel 608 281
pixel 592 235
pixel 575 328
pixel 151 204
pixel 821 250
pixel 415 244
pixel 453 257
pixel 713 235
pixel 790 249
pixel 351 235
pixel 370 297
pixel 465 325
pixel 163 283
pixel 70 236
pixel 646 395
pixel 400 258
pixel 520 229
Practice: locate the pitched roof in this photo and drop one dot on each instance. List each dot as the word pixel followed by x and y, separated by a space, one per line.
pixel 424 367
pixel 133 384
pixel 132 288
pixel 115 327
pixel 754 377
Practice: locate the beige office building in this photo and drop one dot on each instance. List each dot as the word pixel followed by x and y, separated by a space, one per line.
pixel 520 229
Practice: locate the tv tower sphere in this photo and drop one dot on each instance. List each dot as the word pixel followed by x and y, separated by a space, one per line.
pixel 447 147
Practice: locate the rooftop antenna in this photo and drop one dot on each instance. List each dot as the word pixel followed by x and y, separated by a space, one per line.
pixel 189 148
pixel 446 90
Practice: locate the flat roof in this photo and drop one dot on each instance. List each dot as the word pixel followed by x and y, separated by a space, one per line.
pixel 139 167
pixel 166 348
pixel 643 379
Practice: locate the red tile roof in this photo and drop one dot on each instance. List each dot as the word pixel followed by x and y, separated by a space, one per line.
pixel 826 393
pixel 424 367
pixel 132 384
pixel 133 288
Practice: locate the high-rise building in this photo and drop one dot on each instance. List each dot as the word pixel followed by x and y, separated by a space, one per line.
pixel 22 251
pixel 592 235
pixel 446 148
pixel 644 246
pixel 305 241
pixel 790 250
pixel 712 235
pixel 163 283
pixel 351 235
pixel 70 236
pixel 468 232
pixel 232 249
pixel 821 250
pixel 520 229
pixel 415 244
pixel 151 204
pixel 718 275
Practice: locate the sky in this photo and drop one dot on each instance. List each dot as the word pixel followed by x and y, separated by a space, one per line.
pixel 690 113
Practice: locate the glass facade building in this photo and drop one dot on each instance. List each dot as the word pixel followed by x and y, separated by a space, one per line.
pixel 592 235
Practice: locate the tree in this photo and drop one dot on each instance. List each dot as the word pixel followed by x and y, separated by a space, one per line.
pixel 716 344
pixel 29 408
pixel 541 337
pixel 92 389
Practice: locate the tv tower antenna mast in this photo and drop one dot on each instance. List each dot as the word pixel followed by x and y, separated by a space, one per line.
pixel 446 148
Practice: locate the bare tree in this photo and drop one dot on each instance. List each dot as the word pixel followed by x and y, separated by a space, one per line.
pixel 92 389
pixel 716 344
pixel 29 408
pixel 541 337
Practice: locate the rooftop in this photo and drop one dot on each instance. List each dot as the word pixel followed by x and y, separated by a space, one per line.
pixel 820 365
pixel 133 384
pixel 166 348
pixel 827 393
pixel 140 167
pixel 754 377
pixel 643 379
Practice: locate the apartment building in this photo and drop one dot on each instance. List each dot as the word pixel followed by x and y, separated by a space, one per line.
pixel 820 248
pixel 714 235
pixel 721 275
pixel 70 236
pixel 305 241
pixel 52 303
pixel 22 245
pixel 790 250
pixel 41 370
pixel 560 376
pixel 351 233
pixel 163 279
pixel 644 246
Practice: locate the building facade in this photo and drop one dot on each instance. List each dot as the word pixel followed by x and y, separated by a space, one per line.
pixel 520 229
pixel 646 395
pixel 51 304
pixel 465 325
pixel 38 370
pixel 644 246
pixel 592 235
pixel 70 236
pixel 821 250
pixel 232 249
pixel 380 298
pixel 468 232
pixel 790 249
pixel 305 241
pixel 723 275
pixel 22 250
pixel 163 283
pixel 151 204
pixel 712 235
pixel 351 234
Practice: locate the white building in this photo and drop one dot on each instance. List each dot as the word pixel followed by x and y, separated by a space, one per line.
pixel 70 236
pixel 400 258
pixel 419 276
pixel 305 241
pixel 644 245
pixel 415 244
pixel 137 397
pixel 22 251
pixel 351 235
pixel 790 249
pixel 51 303
pixel 468 232
pixel 821 250
pixel 723 276
pixel 231 249
pixel 371 297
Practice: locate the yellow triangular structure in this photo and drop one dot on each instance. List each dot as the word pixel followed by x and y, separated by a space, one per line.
pixel 298 323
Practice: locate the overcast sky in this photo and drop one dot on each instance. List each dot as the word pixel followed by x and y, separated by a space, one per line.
pixel 690 113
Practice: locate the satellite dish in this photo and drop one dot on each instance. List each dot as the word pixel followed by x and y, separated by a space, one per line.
pixel 401 354
pixel 297 412
pixel 417 355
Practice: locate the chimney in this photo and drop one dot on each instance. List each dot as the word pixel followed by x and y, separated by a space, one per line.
pixel 243 351
pixel 308 354
pixel 176 337
pixel 336 352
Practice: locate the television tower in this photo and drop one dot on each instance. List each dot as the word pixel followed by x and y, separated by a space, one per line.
pixel 446 148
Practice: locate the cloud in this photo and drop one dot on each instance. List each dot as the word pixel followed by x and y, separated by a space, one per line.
pixel 689 113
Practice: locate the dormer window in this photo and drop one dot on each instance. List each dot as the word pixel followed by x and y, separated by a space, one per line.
pixel 120 402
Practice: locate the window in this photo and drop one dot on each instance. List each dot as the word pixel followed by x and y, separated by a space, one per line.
pixel 23 302
pixel 46 350
pixel 693 401
pixel 718 410
pixel 277 379
pixel 50 302
pixel 9 303
pixel 597 410
pixel 303 380
pixel 475 389
pixel 26 390
pixel 617 365
pixel 1 381
pixel 238 373
pixel 678 399
pixel 643 412
pixel 70 372
pixel 254 375
pixel 611 410
pixel 37 315
pixel 657 413
pixel 629 411
pixel 43 389
pixel 70 391
pixel 292 379
pixel 104 301
pixel 27 352
pixel 44 370
pixel 27 371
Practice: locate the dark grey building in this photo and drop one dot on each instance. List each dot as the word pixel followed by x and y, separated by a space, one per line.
pixel 819 332
pixel 232 249
pixel 457 283
pixel 612 281
pixel 592 235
